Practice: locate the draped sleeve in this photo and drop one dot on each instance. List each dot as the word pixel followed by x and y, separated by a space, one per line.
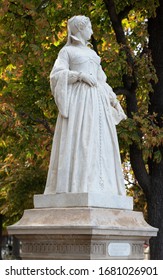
pixel 61 80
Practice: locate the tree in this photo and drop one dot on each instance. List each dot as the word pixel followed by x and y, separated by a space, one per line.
pixel 129 38
pixel 149 172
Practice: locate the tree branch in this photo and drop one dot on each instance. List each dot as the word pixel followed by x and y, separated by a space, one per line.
pixel 40 121
pixel 125 12
pixel 130 85
pixel 120 36
pixel 138 166
pixel 121 91
pixel 94 44
pixel 116 22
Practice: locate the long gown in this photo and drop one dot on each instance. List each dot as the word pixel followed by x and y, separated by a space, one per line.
pixel 85 153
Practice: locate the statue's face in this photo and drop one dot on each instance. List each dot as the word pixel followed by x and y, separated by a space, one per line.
pixel 87 32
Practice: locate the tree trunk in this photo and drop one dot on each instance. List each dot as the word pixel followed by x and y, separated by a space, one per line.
pixel 155 210
pixel 155 194
pixel 155 30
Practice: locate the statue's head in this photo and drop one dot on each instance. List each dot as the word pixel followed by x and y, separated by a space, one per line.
pixel 79 24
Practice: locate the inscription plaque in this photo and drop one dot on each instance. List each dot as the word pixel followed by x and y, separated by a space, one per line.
pixel 119 249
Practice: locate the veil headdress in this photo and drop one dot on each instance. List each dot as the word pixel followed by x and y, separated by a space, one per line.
pixel 74 25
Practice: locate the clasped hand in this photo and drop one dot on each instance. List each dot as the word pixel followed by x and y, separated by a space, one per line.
pixel 88 79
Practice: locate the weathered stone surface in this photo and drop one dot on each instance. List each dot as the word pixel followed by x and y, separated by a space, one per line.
pixel 104 200
pixel 81 233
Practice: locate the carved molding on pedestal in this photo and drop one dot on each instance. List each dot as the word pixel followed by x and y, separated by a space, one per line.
pixel 137 249
pixel 49 247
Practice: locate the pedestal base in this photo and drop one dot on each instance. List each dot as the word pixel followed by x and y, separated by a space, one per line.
pixel 104 200
pixel 82 233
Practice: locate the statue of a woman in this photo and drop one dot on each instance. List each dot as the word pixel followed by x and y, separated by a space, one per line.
pixel 85 153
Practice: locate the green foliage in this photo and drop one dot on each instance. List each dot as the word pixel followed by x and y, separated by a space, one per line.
pixel 19 185
pixel 143 130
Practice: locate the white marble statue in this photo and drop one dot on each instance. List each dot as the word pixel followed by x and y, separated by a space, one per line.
pixel 85 154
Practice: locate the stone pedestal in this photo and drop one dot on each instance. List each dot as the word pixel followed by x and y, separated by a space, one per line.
pixel 64 200
pixel 87 231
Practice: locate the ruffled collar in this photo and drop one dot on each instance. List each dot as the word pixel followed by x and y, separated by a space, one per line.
pixel 79 42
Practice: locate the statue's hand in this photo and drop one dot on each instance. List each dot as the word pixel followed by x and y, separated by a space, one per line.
pixel 88 79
